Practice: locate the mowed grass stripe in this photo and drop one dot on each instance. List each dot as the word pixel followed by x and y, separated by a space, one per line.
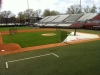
pixel 28 39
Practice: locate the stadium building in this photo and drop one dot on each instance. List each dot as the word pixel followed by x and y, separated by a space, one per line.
pixel 87 20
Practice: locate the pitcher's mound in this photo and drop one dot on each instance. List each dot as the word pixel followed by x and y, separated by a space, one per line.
pixel 49 34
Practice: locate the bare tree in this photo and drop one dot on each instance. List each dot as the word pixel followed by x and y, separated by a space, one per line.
pixel 47 12
pixel 74 9
pixel 21 17
pixel 99 9
pixel 53 12
pixel 6 15
pixel 12 18
pixel 93 9
pixel 29 13
pixel 88 9
pixel 1 18
pixel 37 13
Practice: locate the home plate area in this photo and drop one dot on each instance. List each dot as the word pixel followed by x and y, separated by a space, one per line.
pixel 80 36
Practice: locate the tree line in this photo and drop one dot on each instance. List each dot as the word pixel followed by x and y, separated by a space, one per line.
pixel 25 16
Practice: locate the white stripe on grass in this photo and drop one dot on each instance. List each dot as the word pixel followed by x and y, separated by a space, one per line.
pixel 30 58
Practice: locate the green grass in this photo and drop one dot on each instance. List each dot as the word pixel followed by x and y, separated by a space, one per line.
pixel 77 59
pixel 31 38
pixel 89 31
pixel 85 31
pixel 19 28
pixel 4 29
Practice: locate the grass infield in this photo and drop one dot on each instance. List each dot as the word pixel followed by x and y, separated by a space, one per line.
pixel 28 39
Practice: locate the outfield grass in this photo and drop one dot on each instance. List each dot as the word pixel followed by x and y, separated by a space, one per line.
pixel 85 31
pixel 89 31
pixel 28 39
pixel 19 28
pixel 77 59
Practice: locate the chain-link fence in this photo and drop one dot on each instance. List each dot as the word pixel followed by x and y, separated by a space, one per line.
pixel 13 30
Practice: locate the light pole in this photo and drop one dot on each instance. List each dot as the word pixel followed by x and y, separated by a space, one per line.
pixel 81 11
pixel 28 11
pixel 80 6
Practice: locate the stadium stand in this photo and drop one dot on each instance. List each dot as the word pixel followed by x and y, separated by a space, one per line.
pixel 70 20
pixel 91 21
pixel 61 18
pixel 44 18
pixel 81 21
pixel 73 18
pixel 41 21
pixel 87 20
pixel 97 17
pixel 57 20
pixel 51 18
pixel 77 25
pixel 87 16
pixel 92 16
pixel 48 22
pixel 63 25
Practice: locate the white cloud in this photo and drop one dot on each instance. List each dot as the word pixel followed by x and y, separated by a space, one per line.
pixel 59 5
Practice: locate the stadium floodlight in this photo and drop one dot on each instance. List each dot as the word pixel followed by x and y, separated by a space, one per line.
pixel 28 11
pixel 80 6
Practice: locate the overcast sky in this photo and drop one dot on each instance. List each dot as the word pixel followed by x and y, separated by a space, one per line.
pixel 59 5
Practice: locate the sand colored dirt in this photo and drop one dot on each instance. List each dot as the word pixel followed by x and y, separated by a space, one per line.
pixel 0 39
pixel 49 34
pixel 14 48
pixel 31 30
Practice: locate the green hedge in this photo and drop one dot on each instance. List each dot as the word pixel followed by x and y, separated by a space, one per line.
pixel 63 35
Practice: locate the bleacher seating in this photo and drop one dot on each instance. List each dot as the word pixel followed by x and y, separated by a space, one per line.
pixel 41 21
pixel 57 21
pixel 90 25
pixel 63 25
pixel 87 16
pixel 51 18
pixel 71 21
pixel 97 17
pixel 44 18
pixel 60 18
pixel 92 16
pixel 73 18
pixel 77 25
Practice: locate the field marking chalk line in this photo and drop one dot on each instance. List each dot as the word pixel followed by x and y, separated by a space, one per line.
pixel 30 58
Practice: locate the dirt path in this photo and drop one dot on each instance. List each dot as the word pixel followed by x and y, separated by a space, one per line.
pixel 31 30
pixel 0 38
pixel 14 48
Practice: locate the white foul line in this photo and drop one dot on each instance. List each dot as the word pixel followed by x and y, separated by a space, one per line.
pixel 6 64
pixel 30 58
pixel 55 55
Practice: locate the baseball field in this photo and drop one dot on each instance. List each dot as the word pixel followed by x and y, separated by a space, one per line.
pixel 82 58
